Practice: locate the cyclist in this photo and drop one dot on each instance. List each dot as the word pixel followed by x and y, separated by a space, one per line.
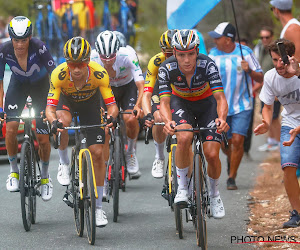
pixel 126 79
pixel 190 89
pixel 151 96
pixel 31 63
pixel 75 87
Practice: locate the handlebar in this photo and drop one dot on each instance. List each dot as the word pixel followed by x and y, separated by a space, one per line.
pixel 147 131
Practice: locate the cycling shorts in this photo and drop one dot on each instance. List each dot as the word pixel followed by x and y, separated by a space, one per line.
pixel 202 112
pixel 89 114
pixel 16 96
pixel 126 95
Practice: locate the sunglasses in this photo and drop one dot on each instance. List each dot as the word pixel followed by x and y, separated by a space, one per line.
pixel 79 65
pixel 108 58
pixel 265 37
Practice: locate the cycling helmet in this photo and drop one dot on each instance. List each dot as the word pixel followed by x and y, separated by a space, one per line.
pixel 77 49
pixel 107 43
pixel 20 27
pixel 185 40
pixel 165 41
pixel 121 37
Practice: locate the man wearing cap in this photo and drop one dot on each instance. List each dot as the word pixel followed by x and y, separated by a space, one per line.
pixel 238 91
pixel 282 10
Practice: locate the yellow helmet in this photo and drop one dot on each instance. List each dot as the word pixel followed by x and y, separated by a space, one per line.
pixel 77 49
pixel 165 41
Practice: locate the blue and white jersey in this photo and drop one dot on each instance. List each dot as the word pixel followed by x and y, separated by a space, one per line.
pixel 233 77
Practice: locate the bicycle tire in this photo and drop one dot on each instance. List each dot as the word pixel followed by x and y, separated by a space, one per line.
pixel 25 185
pixel 89 197
pixel 35 157
pixel 201 232
pixel 77 202
pixel 116 172
pixel 177 210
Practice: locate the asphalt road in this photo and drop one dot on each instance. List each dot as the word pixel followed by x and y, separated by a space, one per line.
pixel 145 220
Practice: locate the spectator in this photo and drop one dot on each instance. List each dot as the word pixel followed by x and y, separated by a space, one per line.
pixel 282 82
pixel 2 27
pixel 238 92
pixel 261 51
pixel 132 5
pixel 282 10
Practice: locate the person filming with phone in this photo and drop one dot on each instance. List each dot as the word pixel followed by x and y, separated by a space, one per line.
pixel 283 82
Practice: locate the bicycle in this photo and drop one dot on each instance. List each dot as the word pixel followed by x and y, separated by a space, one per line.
pixel 29 180
pixel 83 190
pixel 117 169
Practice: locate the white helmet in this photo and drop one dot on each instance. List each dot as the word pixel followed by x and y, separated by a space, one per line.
pixel 185 40
pixel 20 27
pixel 121 37
pixel 107 43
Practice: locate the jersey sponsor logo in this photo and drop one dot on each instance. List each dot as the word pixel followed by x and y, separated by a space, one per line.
pixel 209 138
pixel 122 69
pixel 42 51
pixel 158 106
pixel 10 107
pixel 32 56
pixel 132 99
pixel 99 138
pixel 136 63
pixel 65 107
pixel 211 124
pixel 83 140
pixel 201 63
pixel 50 63
pixel 179 78
pixel 293 95
pixel 179 83
pixel 149 73
pixel 62 75
pixel 99 74
pixel 157 61
pixel 182 121
pixel 215 81
pixel 163 86
pixel 171 66
pixel 51 86
pixel 162 75
pixel 211 68
pixel 155 99
pixel 172 111
pixel 50 94
pixel 179 112
pixel 28 73
pixel 198 77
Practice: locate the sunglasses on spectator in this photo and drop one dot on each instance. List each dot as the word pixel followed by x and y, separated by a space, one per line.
pixel 265 37
pixel 108 58
pixel 79 65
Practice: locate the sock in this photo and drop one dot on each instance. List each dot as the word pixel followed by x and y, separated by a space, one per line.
pixel 214 187
pixel 273 141
pixel 13 161
pixel 100 195
pixel 182 177
pixel 131 145
pixel 44 171
pixel 159 147
pixel 63 156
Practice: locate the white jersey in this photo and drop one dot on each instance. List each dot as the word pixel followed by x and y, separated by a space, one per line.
pixel 126 66
pixel 287 90
pixel 292 21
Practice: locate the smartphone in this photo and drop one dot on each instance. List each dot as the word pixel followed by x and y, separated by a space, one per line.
pixel 282 52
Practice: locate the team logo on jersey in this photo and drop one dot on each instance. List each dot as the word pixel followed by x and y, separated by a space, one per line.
pixel 148 73
pixel 28 73
pixel 162 75
pixel 99 74
pixel 239 69
pixel 136 63
pixel 122 69
pixel 201 63
pixel 157 61
pixel 155 99
pixel 171 66
pixel 99 138
pixel 62 75
pixel 32 56
pixel 182 121
pixel 209 138
pixel 211 68
pixel 12 106
pixel 179 78
pixel 50 94
pixel 179 112
pixel 42 51
pixel 50 63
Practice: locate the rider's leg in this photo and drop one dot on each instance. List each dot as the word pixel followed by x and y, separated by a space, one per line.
pixel 11 143
pixel 132 131
pixel 44 153
pixel 159 137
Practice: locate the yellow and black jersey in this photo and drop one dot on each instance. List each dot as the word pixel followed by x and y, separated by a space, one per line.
pixel 61 82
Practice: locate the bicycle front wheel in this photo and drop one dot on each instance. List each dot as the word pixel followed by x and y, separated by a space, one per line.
pixel 77 202
pixel 177 209
pixel 116 172
pixel 26 185
pixel 89 196
pixel 200 218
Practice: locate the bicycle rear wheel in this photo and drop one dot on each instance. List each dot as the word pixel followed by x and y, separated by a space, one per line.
pixel 77 202
pixel 116 172
pixel 177 209
pixel 25 185
pixel 89 196
pixel 200 209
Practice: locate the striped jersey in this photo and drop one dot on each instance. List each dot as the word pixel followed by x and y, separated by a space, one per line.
pixel 234 78
pixel 205 81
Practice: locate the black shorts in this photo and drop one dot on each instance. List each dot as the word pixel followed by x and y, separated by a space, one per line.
pixel 89 114
pixel 126 95
pixel 16 96
pixel 202 112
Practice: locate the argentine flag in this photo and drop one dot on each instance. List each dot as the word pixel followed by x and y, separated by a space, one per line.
pixel 185 14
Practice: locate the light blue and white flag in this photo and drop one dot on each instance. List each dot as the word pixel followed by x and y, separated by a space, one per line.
pixel 185 14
